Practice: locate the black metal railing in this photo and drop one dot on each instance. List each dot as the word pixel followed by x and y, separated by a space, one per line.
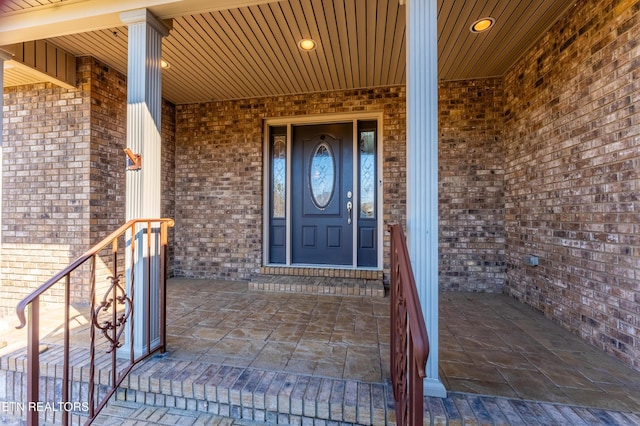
pixel 409 339
pixel 145 242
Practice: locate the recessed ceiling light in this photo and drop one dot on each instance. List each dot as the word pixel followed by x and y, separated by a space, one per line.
pixel 307 44
pixel 482 25
pixel 164 64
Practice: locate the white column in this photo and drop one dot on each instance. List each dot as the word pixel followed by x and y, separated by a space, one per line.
pixel 144 111
pixel 422 169
pixel 4 56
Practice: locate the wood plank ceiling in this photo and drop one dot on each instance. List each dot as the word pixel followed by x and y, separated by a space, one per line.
pixel 252 51
pixel 7 6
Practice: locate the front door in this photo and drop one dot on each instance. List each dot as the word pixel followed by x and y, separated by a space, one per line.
pixel 322 194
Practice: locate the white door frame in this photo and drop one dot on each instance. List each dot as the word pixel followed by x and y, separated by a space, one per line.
pixel 290 122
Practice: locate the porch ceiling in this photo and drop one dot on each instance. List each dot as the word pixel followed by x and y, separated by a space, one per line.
pixel 251 51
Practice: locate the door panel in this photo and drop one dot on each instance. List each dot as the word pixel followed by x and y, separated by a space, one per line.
pixel 322 181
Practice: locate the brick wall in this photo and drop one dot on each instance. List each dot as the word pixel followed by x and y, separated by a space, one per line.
pixel 471 193
pixel 219 169
pixel 219 179
pixel 46 189
pixel 64 178
pixel 168 184
pixel 108 139
pixel 108 97
pixel 572 175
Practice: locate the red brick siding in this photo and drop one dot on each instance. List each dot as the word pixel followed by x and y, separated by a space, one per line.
pixel 572 175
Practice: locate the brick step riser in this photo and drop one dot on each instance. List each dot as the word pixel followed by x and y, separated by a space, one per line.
pixel 322 272
pixel 363 291
pixel 13 390
pixel 286 406
pixel 369 285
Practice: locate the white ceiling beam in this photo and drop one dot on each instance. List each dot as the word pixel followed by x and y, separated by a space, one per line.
pixel 82 16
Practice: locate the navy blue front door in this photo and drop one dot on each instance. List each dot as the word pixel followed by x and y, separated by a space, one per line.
pixel 322 194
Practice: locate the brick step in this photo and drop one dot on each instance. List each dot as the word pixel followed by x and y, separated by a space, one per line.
pixel 369 287
pixel 264 396
pixel 166 392
pixel 169 392
pixel 458 408
pixel 235 392
pixel 119 412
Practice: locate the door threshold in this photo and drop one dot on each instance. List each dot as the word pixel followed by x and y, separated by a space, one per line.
pixel 328 271
pixel 326 281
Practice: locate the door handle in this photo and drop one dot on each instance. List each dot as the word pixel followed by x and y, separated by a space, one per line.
pixel 349 208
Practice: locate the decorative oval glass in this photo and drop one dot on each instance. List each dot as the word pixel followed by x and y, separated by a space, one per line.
pixel 322 175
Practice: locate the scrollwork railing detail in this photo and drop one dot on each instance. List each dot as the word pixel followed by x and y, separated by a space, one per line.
pixel 111 316
pixel 113 327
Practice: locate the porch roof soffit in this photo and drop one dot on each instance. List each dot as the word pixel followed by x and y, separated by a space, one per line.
pixel 72 17
pixel 238 49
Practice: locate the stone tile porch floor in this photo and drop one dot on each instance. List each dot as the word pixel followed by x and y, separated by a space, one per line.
pixel 489 345
pixel 330 336
pixel 494 345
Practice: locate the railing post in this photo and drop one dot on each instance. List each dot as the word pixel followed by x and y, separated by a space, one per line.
pixel 114 313
pixel 33 362
pixel 66 383
pixel 416 391
pixel 164 241
pixel 393 316
pixel 92 337
pixel 131 286
pixel 150 253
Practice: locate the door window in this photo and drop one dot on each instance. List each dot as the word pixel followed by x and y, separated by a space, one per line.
pixel 322 175
pixel 367 200
pixel 279 173
pixel 278 194
pixel 367 174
